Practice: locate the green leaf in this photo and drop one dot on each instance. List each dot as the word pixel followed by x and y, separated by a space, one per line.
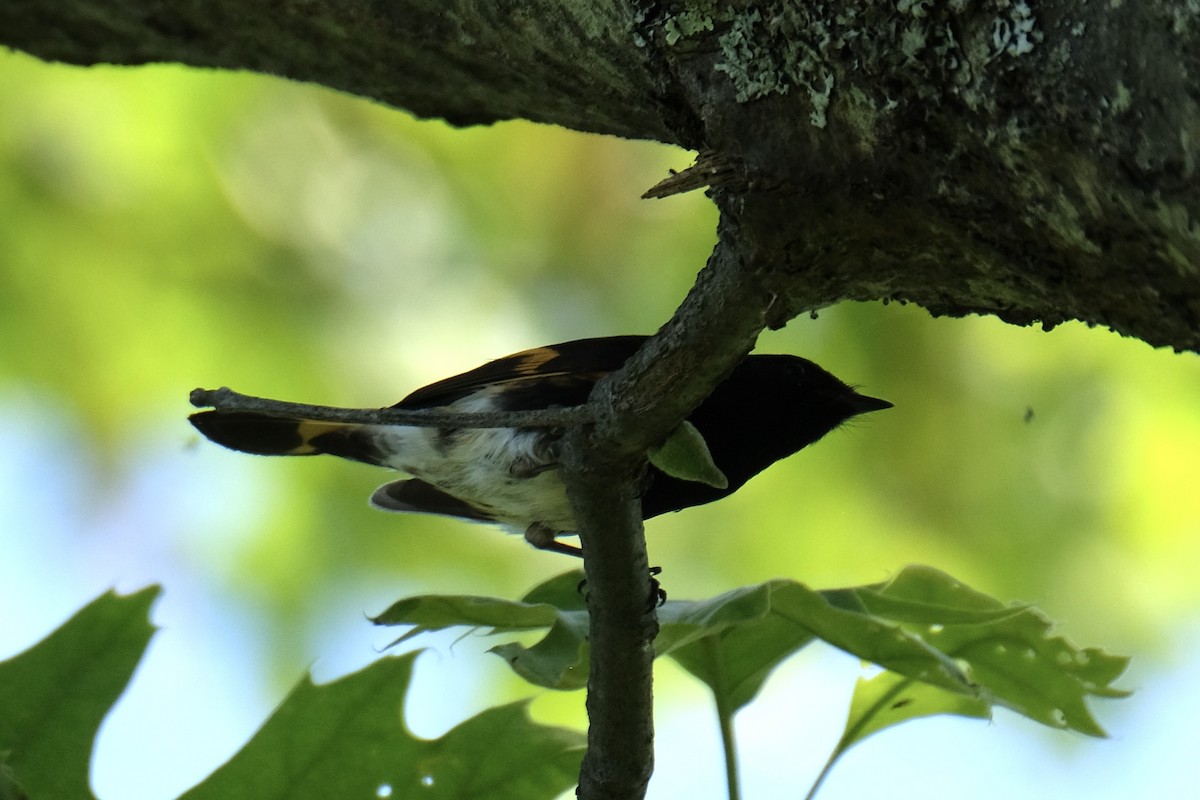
pixel 348 739
pixel 558 661
pixel 755 628
pixel 685 455
pixel 888 699
pixel 9 788
pixel 922 626
pixel 54 696
pixel 731 642
pixel 438 612
pixel 1008 650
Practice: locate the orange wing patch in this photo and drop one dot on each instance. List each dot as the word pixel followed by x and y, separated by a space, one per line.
pixel 309 429
pixel 532 362
pixel 583 356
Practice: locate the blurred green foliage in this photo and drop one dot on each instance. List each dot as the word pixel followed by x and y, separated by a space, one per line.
pixel 163 228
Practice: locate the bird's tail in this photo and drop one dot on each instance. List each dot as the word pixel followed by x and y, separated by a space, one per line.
pixel 269 435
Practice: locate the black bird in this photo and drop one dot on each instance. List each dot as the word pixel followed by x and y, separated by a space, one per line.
pixel 768 408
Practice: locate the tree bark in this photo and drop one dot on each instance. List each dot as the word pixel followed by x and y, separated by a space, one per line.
pixel 1031 159
pixel 469 62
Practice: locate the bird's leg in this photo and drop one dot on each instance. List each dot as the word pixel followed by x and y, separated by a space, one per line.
pixel 544 538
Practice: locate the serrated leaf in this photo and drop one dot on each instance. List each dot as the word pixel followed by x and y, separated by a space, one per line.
pixel 685 455
pixel 923 625
pixel 54 696
pixel 733 642
pixel 438 612
pixel 1008 650
pixel 557 661
pixel 348 739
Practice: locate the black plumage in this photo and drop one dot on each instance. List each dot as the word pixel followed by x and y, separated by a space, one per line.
pixel 770 407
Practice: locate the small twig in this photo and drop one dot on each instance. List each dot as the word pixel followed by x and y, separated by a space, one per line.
pixel 225 399
pixel 710 169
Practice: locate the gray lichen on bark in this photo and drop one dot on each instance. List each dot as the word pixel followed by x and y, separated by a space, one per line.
pixel 1035 161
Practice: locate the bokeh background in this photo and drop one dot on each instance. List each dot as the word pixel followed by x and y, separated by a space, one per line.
pixel 162 229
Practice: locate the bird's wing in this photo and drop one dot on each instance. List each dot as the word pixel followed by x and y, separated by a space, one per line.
pixel 417 496
pixel 557 374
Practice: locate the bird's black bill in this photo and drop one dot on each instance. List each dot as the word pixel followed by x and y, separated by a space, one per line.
pixel 861 404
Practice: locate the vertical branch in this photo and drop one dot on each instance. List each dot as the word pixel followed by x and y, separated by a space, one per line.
pixel 713 329
pixel 602 466
pixel 620 755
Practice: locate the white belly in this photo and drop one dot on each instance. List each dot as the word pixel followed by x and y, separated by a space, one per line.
pixel 487 468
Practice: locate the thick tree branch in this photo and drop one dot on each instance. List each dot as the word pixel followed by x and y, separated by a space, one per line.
pixel 467 61
pixel 1034 160
pixel 713 329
